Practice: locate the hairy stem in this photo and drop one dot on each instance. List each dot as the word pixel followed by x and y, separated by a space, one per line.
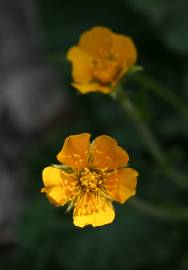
pixel 173 214
pixel 162 92
pixel 150 141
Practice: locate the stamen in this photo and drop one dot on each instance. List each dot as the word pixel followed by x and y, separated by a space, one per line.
pixel 90 193
pixel 90 180
pixel 106 67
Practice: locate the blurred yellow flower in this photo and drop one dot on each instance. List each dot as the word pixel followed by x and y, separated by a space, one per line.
pixel 91 177
pixel 100 60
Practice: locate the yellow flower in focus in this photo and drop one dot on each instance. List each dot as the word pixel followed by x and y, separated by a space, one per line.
pixel 91 177
pixel 100 60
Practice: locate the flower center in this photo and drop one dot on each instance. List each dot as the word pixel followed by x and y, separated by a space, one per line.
pixel 90 180
pixel 106 68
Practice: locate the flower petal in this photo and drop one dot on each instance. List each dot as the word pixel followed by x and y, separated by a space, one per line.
pixel 75 151
pixel 56 195
pixel 82 64
pixel 93 210
pixel 125 49
pixel 92 87
pixel 59 186
pixel 107 154
pixel 96 41
pixel 51 176
pixel 121 184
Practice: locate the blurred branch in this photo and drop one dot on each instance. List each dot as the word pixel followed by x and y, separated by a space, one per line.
pixel 150 141
pixel 162 91
pixel 174 214
pixel 142 128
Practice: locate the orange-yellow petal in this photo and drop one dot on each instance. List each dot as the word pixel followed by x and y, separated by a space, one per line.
pixel 125 49
pixel 51 176
pixel 59 186
pixel 56 195
pixel 82 64
pixel 107 154
pixel 96 41
pixel 121 184
pixel 75 151
pixel 92 87
pixel 93 210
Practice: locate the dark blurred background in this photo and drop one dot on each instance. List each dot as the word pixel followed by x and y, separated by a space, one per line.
pixel 38 109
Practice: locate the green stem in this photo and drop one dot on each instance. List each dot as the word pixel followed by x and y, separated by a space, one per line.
pixel 163 92
pixel 143 129
pixel 174 214
pixel 150 142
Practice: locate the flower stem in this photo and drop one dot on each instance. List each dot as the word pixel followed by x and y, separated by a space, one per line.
pixel 143 130
pixel 174 214
pixel 162 91
pixel 151 143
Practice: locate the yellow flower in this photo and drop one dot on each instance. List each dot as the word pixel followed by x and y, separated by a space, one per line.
pixel 91 177
pixel 100 60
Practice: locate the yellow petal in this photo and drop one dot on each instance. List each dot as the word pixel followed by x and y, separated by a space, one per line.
pixel 93 210
pixel 92 87
pixel 125 49
pixel 75 151
pixel 82 64
pixel 121 184
pixel 56 195
pixel 51 176
pixel 107 154
pixel 96 41
pixel 59 186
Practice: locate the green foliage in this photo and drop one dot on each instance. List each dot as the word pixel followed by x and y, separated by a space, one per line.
pixel 169 19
